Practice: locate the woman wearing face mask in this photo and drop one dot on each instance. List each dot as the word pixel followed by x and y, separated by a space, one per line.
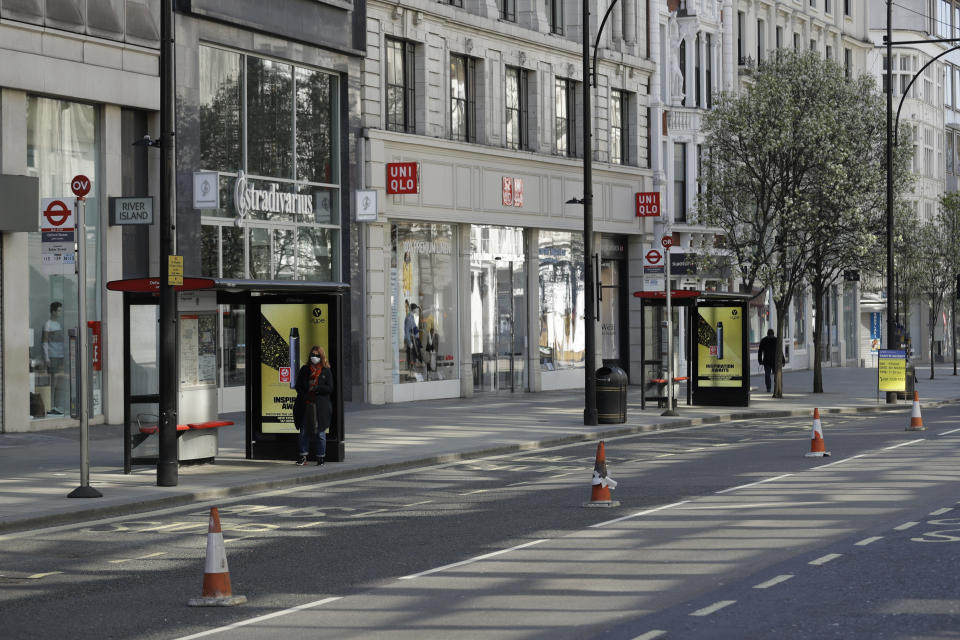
pixel 313 409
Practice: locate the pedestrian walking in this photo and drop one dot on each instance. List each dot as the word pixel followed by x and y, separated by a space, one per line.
pixel 313 408
pixel 767 356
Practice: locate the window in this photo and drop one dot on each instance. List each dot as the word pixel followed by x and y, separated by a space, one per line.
pixel 779 37
pixel 741 22
pixel 826 6
pixel 555 16
pixel 679 182
pixel 516 109
pixel 761 40
pixel 508 10
pixel 949 151
pixel 813 44
pixel 564 127
pixel 709 77
pixel 453 3
pixel 463 112
pixel 696 73
pixel 846 7
pixel 699 168
pixel 683 71
pixel 796 42
pixel 400 86
pixel 813 3
pixel 948 85
pixel 619 132
pixel 561 341
pixel 847 62
pixel 944 10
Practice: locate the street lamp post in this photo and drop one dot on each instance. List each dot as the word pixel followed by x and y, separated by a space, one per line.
pixel 590 416
pixel 167 464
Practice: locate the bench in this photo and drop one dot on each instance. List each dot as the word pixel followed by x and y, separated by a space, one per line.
pixel 197 441
pixel 661 389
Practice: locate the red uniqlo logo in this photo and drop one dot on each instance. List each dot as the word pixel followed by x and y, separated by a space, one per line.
pixel 403 178
pixel 285 374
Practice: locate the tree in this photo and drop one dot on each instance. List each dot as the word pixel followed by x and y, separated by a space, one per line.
pixel 771 151
pixel 950 212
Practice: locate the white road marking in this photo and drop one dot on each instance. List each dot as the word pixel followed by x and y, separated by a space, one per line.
pixel 366 513
pixel 560 475
pixel 822 560
pixel 472 560
pixel 772 582
pixel 650 635
pixel 940 512
pixel 905 526
pixel 664 455
pixel 867 541
pixel 417 504
pixel 275 614
pixel 716 606
pixel 470 493
pixel 149 555
pixel 903 444
pixel 830 464
pixel 752 484
pixel 37 576
pixel 517 484
pixel 308 525
pixel 755 505
pixel 638 514
pixel 946 433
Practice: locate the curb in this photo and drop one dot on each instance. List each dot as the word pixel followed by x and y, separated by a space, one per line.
pixel 317 477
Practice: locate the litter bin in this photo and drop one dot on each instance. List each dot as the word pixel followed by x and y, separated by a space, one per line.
pixel 911 373
pixel 611 395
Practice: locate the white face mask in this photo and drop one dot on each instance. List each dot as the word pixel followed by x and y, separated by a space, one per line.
pixel 315 359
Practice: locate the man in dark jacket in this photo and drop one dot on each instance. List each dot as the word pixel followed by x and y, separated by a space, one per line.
pixel 767 355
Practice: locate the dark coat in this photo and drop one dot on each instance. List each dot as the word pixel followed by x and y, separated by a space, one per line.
pixel 318 398
pixel 767 352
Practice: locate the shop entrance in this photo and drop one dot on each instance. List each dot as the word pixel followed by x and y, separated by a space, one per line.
pixel 498 320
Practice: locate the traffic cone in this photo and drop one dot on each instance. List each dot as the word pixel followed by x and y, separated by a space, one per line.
pixel 216 576
pixel 602 483
pixel 916 420
pixel 817 449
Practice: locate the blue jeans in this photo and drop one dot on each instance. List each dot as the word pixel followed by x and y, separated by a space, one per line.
pixel 307 437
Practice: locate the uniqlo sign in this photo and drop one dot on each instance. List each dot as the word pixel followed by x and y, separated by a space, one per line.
pixel 403 178
pixel 648 204
pixel 512 192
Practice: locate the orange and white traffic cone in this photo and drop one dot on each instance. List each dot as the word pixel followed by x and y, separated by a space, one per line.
pixel 602 483
pixel 916 420
pixel 216 576
pixel 817 450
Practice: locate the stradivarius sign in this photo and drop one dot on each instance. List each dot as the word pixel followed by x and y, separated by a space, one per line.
pixel 247 199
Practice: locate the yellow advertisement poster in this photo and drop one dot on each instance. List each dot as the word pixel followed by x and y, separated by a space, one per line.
pixel 287 333
pixel 719 346
pixel 891 370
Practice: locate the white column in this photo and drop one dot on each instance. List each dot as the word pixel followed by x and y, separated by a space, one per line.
pixel 111 266
pixel 463 276
pixel 379 313
pixel 533 309
pixel 630 21
pixel 16 273
pixel 729 67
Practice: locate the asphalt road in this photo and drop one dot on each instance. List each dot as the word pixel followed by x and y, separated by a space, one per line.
pixel 724 531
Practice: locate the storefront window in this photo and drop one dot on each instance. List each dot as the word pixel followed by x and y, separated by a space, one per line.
pixel 287 196
pixel 562 294
pixel 62 140
pixel 800 321
pixel 423 271
pixel 850 319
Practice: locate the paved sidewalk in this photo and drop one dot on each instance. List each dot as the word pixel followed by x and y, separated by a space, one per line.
pixel 39 469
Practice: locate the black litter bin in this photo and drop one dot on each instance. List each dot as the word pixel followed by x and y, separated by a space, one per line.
pixel 611 395
pixel 911 373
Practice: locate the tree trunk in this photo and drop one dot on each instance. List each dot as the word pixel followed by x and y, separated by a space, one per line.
pixel 778 369
pixel 817 338
pixel 931 328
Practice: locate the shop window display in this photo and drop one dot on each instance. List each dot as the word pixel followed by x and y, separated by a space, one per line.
pixel 562 295
pixel 424 301
pixel 62 141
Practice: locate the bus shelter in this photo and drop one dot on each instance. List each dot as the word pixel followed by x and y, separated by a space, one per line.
pixel 283 320
pixel 716 368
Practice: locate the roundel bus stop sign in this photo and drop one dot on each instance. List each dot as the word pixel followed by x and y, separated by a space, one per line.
pixel 56 219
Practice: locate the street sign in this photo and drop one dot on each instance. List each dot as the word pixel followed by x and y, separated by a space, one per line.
pixel 648 204
pixel 56 220
pixel 666 241
pixel 174 270
pixel 152 285
pixel 653 258
pixel 206 190
pixel 80 185
pixel 131 210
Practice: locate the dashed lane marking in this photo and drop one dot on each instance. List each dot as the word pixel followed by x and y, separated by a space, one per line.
pixel 822 560
pixel 716 606
pixel 753 484
pixel 20 575
pixel 867 541
pixel 905 526
pixel 638 514
pixel 940 512
pixel 472 560
pixel 269 616
pixel 149 555
pixel 474 492
pixel 772 582
pixel 417 504
pixel 830 464
pixel 903 444
pixel 946 433
pixel 650 635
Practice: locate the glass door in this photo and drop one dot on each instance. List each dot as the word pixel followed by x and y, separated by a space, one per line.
pixel 233 357
pixel 498 326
